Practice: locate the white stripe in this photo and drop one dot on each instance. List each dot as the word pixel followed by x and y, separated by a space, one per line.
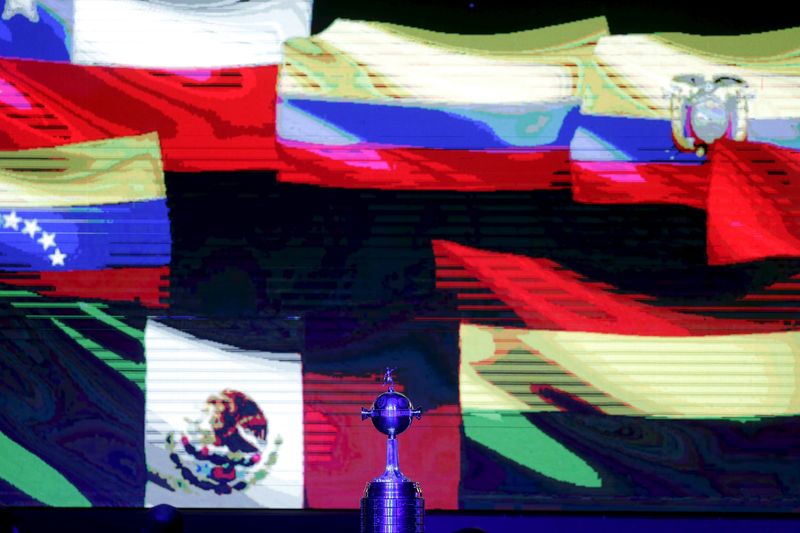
pixel 141 33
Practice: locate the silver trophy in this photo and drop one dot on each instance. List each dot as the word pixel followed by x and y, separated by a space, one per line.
pixel 392 503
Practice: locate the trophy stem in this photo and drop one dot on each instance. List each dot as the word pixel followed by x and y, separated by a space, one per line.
pixel 392 458
pixel 392 472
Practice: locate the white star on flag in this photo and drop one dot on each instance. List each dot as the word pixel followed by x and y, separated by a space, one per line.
pixel 12 221
pixel 57 258
pixel 26 8
pixel 47 240
pixel 31 228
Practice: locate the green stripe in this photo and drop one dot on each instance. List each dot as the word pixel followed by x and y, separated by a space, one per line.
pixel 61 317
pixel 513 436
pixel 51 305
pixel 34 477
pixel 130 369
pixel 93 310
pixel 18 294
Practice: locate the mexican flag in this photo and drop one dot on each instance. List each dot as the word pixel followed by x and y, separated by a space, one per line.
pixel 223 426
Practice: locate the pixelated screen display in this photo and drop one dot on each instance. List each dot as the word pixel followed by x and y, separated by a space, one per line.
pixel 575 241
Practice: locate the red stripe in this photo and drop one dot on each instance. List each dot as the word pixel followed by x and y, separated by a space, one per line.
pixel 201 126
pixel 148 285
pixel 417 169
pixel 572 304
pixel 753 200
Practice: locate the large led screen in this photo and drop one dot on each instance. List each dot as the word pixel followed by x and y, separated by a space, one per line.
pixel 221 222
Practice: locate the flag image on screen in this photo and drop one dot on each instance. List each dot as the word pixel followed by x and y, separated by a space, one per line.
pixel 152 33
pixel 206 118
pixel 87 220
pixel 224 426
pixel 29 29
pixel 181 33
pixel 85 249
pixel 661 125
pixel 71 426
pixel 357 107
pixel 589 362
pixel 594 306
pixel 629 85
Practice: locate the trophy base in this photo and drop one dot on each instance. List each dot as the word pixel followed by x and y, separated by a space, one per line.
pixel 392 507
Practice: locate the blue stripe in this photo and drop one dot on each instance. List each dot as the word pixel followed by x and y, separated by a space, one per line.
pixel 483 128
pixel 488 127
pixel 638 140
pixel 468 127
pixel 784 132
pixel 133 234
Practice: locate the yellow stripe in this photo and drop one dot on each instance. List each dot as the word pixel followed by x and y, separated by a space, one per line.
pixel 112 171
pixel 355 60
pixel 697 377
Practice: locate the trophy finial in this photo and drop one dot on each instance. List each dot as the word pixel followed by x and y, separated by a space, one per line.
pixel 387 378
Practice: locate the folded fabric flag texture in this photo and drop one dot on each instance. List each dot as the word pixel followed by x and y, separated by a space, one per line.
pixel 232 435
pixel 153 34
pixel 372 105
pixel 675 118
pixel 590 365
pixel 71 426
pixel 579 252
pixel 217 119
pixel 87 220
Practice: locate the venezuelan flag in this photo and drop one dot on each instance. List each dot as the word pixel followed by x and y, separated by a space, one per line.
pixel 87 220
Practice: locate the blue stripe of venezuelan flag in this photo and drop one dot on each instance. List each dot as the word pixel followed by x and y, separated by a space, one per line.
pixel 131 234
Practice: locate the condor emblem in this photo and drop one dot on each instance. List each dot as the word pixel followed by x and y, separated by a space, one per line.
pixel 705 110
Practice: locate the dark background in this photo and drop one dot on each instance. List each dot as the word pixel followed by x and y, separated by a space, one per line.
pixel 715 17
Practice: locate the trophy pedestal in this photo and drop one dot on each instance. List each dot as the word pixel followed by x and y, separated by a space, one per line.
pixel 392 507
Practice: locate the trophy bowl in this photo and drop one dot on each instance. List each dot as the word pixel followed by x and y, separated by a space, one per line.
pixel 391 413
